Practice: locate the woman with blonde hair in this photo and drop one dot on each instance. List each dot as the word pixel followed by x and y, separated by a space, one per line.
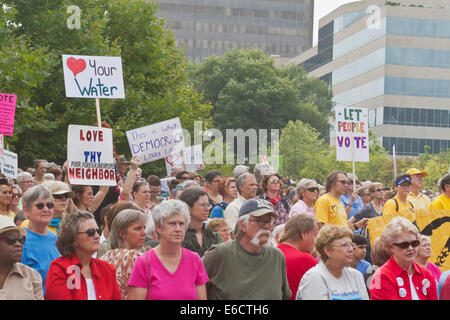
pixel 424 253
pixel 332 279
pixel 401 278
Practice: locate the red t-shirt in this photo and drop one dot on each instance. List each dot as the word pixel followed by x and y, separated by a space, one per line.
pixel 297 263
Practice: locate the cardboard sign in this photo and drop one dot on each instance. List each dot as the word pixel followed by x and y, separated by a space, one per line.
pixel 7 113
pixel 93 77
pixel 156 141
pixel 9 164
pixel 90 155
pixel 352 134
pixel 193 158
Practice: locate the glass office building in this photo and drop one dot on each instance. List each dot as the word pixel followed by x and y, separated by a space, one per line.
pixel 393 60
pixel 206 27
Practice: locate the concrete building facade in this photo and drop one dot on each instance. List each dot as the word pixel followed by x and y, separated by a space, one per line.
pixel 392 58
pixel 207 27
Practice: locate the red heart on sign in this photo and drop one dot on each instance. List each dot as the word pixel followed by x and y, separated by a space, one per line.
pixel 172 159
pixel 76 66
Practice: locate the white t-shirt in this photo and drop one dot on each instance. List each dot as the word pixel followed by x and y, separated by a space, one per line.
pixel 414 295
pixel 319 284
pixel 90 289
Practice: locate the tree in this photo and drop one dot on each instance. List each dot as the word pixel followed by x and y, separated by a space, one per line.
pixel 246 91
pixel 156 84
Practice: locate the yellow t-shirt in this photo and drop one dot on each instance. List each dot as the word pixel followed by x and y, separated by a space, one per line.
pixel 419 202
pixel 330 210
pixel 441 203
pixel 389 207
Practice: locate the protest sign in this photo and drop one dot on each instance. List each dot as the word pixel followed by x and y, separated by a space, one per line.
pixel 93 77
pixel 90 155
pixel 352 134
pixel 156 141
pixel 191 160
pixel 7 113
pixel 9 164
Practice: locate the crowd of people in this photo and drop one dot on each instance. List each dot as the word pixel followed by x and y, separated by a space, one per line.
pixel 254 235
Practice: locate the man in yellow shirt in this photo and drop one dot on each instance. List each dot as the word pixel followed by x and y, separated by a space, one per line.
pixel 419 200
pixel 399 202
pixel 443 201
pixel 328 208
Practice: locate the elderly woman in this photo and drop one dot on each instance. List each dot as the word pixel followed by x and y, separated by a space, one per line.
pixel 307 192
pixel 127 240
pixel 401 278
pixel 423 254
pixel 169 271
pixel 76 275
pixel 273 192
pixel 332 279
pixel 228 190
pixel 39 249
pixel 221 226
pixel 17 281
pixel 199 237
pixel 61 193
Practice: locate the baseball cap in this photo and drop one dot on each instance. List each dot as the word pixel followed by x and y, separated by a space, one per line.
pixel 257 208
pixel 59 187
pixel 6 225
pixel 240 169
pixel 414 171
pixel 121 158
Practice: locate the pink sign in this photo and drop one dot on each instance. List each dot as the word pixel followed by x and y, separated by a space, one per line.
pixel 7 112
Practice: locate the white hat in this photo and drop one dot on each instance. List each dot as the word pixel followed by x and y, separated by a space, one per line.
pixel 6 224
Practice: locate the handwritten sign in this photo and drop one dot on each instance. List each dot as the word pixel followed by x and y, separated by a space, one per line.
pixel 7 113
pixel 93 77
pixel 352 134
pixel 9 164
pixel 156 141
pixel 193 159
pixel 90 155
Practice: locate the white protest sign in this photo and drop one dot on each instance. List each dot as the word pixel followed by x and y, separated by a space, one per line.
pixel 9 164
pixel 90 155
pixel 352 134
pixel 93 77
pixel 156 141
pixel 193 158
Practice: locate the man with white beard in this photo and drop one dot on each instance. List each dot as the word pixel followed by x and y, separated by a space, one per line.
pixel 248 268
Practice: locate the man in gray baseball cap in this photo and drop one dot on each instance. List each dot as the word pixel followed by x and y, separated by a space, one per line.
pixel 248 268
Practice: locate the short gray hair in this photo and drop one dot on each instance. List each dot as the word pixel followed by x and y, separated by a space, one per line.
pixel 168 208
pixel 38 192
pixel 396 227
pixel 241 180
pixel 122 221
pixel 302 186
pixel 22 175
pixel 238 234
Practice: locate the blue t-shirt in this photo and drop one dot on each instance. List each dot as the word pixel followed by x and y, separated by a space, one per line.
pixel 39 251
pixel 356 205
pixel 363 266
pixel 217 211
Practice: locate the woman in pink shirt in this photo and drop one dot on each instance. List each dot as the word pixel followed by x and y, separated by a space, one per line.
pixel 307 192
pixel 169 271
pixel 424 253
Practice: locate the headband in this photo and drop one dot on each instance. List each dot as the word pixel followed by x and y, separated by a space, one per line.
pixel 401 180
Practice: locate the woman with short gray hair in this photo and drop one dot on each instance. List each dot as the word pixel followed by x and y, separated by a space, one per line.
pixel 127 238
pixel 424 254
pixel 169 271
pixel 401 278
pixel 307 193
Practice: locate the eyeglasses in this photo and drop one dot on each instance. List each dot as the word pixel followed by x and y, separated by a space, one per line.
pixel 273 181
pixel 16 195
pixel 12 239
pixel 41 205
pixel 345 182
pixel 406 244
pixel 60 196
pixel 347 246
pixel 91 232
pixel 313 189
pixel 184 178
pixel 379 190
pixel 204 206
pixel 262 223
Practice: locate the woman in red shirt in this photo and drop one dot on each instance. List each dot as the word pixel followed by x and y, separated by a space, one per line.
pixel 401 278
pixel 76 275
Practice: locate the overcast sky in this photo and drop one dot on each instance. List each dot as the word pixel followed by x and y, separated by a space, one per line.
pixel 322 8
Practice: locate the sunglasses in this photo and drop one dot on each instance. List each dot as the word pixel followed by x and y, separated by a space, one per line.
pixel 91 232
pixel 312 189
pixel 41 205
pixel 16 195
pixel 12 239
pixel 60 196
pixel 379 190
pixel 406 244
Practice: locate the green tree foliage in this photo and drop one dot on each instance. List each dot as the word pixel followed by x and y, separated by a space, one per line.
pixel 247 90
pixel 36 35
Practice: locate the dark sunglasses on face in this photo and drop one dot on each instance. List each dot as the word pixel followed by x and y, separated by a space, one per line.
pixel 16 195
pixel 312 189
pixel 12 239
pixel 91 232
pixel 406 244
pixel 41 205
pixel 59 196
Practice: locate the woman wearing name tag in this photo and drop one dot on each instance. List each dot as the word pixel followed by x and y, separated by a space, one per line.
pixel 401 278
